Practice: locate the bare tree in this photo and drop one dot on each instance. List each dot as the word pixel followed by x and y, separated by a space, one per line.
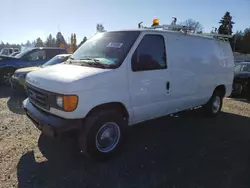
pixel 190 23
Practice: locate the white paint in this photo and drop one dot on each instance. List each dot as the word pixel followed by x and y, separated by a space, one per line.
pixel 196 66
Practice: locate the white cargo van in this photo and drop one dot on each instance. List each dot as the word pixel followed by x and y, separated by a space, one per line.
pixel 120 78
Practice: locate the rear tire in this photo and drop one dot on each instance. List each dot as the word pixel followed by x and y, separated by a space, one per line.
pixel 237 89
pixel 214 105
pixel 102 134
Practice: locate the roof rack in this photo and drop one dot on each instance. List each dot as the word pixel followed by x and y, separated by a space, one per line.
pixel 184 29
pixel 172 28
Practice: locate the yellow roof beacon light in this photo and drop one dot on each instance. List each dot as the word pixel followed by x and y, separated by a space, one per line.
pixel 155 22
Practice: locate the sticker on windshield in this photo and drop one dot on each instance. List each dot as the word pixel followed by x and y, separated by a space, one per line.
pixel 114 45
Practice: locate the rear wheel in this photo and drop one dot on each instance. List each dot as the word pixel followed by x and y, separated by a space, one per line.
pixel 102 134
pixel 237 89
pixel 214 105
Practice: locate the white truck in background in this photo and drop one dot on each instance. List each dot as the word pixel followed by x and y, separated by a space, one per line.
pixel 120 78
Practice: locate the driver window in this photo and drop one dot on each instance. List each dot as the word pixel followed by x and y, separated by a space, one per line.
pixel 38 55
pixel 150 54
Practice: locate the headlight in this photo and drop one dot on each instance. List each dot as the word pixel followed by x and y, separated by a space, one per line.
pixel 59 101
pixel 67 102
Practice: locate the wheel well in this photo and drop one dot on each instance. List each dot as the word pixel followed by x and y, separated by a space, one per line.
pixel 221 89
pixel 111 105
pixel 6 69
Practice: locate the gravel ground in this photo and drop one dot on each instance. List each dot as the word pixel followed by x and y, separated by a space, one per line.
pixel 187 151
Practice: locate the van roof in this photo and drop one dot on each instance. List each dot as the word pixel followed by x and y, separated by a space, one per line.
pixel 204 35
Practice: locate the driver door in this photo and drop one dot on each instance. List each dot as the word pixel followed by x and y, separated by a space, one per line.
pixel 149 79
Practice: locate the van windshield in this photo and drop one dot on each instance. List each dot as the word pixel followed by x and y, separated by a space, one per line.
pixel 107 49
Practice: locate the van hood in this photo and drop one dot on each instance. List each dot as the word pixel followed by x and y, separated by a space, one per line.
pixel 64 78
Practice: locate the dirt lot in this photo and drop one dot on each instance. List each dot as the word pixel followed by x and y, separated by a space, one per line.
pixel 188 151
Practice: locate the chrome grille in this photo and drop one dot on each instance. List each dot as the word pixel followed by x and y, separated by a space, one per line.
pixel 38 96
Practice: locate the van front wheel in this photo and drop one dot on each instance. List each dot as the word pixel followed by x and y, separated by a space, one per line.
pixel 214 105
pixel 102 134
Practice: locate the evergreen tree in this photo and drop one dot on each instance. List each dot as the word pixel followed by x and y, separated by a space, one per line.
pixel 226 24
pixel 53 42
pixel 28 43
pixel 60 40
pixel 50 42
pixel 246 39
pixel 73 43
pixel 71 40
pixel 82 42
pixel 33 43
pixel 39 42
pixel 74 37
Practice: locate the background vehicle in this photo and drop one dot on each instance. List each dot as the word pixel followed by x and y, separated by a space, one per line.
pixel 28 58
pixel 15 53
pixel 241 84
pixel 19 77
pixel 121 78
pixel 8 51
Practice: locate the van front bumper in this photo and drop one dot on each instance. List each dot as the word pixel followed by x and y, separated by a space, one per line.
pixel 50 124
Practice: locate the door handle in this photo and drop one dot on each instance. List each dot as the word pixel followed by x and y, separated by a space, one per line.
pixel 167 85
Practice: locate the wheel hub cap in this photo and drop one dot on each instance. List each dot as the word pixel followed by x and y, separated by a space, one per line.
pixel 216 104
pixel 107 137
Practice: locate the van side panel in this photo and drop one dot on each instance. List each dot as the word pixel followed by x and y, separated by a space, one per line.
pixel 228 66
pixel 223 64
pixel 197 65
pixel 187 64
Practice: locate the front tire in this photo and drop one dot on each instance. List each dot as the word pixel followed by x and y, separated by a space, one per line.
pixel 102 134
pixel 214 105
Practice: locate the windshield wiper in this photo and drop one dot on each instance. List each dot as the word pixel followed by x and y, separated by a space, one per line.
pixel 93 59
pixel 98 64
pixel 95 62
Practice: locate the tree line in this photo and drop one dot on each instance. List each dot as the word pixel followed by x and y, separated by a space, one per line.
pixel 51 41
pixel 240 41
